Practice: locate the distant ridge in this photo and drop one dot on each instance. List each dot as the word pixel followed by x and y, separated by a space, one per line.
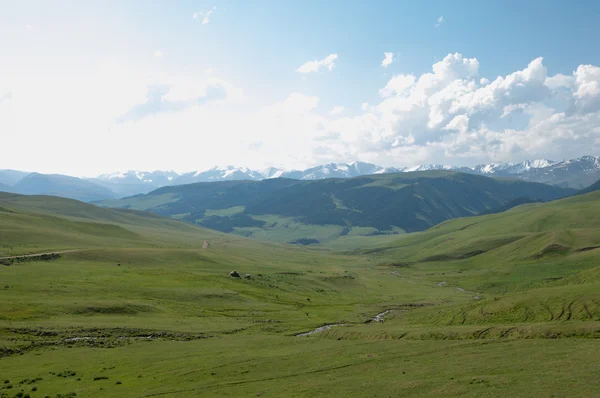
pixel 574 173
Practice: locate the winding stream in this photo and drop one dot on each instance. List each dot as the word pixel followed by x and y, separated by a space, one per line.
pixel 377 318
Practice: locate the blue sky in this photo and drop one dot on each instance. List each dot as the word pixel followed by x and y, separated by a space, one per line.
pixel 72 72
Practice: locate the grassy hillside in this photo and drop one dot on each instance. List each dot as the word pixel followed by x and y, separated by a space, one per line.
pixel 288 210
pixel 478 306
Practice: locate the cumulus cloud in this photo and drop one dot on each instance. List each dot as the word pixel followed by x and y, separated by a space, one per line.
pixel 587 87
pixel 313 66
pixel 158 54
pixel 388 58
pixel 454 115
pixel 440 21
pixel 397 85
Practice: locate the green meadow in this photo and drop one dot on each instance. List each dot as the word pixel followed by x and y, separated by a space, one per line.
pixel 136 305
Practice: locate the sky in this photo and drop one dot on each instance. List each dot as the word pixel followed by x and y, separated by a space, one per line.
pixel 90 87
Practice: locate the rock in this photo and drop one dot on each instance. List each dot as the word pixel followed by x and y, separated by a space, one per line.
pixel 234 274
pixel 248 276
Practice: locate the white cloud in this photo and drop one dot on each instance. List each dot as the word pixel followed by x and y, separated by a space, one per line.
pixel 28 27
pixel 558 81
pixel 387 60
pixel 440 21
pixel 158 54
pixel 397 85
pixel 204 15
pixel 314 66
pixel 587 87
pixel 450 114
pixel 337 110
pixel 453 115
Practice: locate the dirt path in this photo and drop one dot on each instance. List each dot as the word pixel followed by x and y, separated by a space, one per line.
pixel 38 254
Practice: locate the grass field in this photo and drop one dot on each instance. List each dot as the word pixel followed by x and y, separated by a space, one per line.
pixel 500 305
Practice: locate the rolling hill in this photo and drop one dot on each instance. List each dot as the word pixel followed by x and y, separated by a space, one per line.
pixel 387 203
pixel 139 306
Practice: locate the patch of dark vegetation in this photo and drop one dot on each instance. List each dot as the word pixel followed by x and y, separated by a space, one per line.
pixel 30 258
pixel 86 337
pixel 128 309
pixel 100 378
pixel 448 257
pixel 587 249
pixel 398 265
pixel 305 242
pixel 553 248
pixel 226 224
pixel 67 373
pixel 379 233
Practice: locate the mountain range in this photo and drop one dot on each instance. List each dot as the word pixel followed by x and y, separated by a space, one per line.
pixel 574 173
pixel 289 210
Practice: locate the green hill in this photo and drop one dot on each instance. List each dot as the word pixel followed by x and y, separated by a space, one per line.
pixel 145 306
pixel 290 210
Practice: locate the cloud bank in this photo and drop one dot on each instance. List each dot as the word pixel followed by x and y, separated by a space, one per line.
pixel 451 114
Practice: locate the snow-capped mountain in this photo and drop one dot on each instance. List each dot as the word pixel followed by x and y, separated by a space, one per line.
pixel 508 169
pixel 134 182
pixel 136 177
pixel 337 170
pixel 574 173
pixel 427 167
pixel 219 174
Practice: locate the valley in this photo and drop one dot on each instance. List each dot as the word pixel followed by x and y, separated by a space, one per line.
pixel 136 304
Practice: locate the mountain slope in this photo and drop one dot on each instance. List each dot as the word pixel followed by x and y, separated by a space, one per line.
pixel 523 233
pixel 63 186
pixel 11 177
pixel 387 202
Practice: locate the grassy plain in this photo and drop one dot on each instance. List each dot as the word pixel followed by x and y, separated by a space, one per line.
pixel 500 305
